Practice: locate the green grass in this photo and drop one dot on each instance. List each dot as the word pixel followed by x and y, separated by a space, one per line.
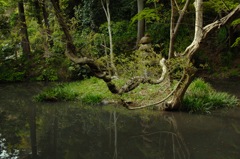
pixel 59 93
pixel 202 98
pixel 90 91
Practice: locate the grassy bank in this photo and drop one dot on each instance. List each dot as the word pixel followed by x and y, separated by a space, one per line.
pixel 200 96
pixel 90 91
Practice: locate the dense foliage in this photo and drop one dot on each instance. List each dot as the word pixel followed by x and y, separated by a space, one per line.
pixel 88 26
pixel 48 40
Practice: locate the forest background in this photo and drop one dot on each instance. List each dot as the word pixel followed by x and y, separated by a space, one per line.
pixel 88 25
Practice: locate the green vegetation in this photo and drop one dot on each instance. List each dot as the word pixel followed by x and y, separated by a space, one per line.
pixel 90 91
pixel 58 93
pixel 202 98
pixel 87 24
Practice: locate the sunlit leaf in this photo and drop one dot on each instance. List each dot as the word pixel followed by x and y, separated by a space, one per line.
pixel 236 22
pixel 237 42
pixel 148 14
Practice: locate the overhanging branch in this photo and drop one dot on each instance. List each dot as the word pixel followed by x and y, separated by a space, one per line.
pixel 221 22
pixel 204 32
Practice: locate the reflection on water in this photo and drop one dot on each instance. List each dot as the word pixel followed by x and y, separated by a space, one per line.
pixel 74 131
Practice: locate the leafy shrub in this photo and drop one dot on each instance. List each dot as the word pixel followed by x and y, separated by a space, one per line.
pixel 202 98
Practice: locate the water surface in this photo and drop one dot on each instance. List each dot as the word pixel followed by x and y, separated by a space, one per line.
pixel 70 130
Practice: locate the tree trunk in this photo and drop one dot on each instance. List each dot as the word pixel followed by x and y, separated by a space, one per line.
pixel 186 80
pixel 24 33
pixel 37 12
pixel 141 23
pixel 172 33
pixel 189 71
pixel 49 42
pixel 108 16
pixel 46 23
pixel 174 26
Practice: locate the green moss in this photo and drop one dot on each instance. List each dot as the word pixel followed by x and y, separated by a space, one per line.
pixel 202 98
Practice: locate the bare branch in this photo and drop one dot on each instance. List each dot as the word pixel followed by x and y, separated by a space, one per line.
pixel 176 4
pixel 181 14
pixel 108 16
pixel 104 8
pixel 174 29
pixel 223 21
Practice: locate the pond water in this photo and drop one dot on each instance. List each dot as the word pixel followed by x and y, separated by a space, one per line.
pixel 70 130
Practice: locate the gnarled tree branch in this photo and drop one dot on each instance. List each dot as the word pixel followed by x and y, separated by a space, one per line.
pixel 71 53
pixel 136 81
